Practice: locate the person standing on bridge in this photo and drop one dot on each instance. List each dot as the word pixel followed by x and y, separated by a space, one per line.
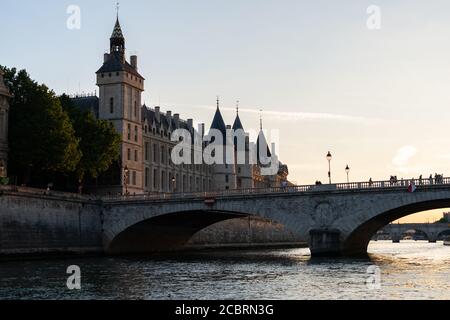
pixel 431 179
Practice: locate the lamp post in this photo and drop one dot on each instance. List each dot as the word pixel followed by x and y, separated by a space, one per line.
pixel 347 170
pixel 329 157
pixel 174 181
pixel 125 177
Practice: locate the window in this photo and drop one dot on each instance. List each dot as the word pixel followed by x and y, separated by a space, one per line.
pixel 147 176
pixel 129 132
pixel 146 151
pixel 135 109
pixel 155 179
pixel 163 180
pixel 129 154
pixel 154 152
pixel 134 178
pixel 227 178
pixel 109 75
pixel 117 74
pixel 103 75
pixel 136 155
pixel 111 105
pixel 136 131
pixel 162 155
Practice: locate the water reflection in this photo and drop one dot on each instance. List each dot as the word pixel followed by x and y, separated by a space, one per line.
pixel 410 270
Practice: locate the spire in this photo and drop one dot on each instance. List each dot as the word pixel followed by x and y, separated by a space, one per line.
pixel 218 122
pixel 117 32
pixel 260 119
pixel 237 122
pixel 117 40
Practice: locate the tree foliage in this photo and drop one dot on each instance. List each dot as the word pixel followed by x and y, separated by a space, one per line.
pixel 99 141
pixel 49 136
pixel 41 135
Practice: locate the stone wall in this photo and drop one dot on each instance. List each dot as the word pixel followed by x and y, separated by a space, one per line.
pixel 244 232
pixel 31 225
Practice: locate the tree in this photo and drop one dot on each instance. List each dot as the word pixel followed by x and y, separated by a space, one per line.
pixel 99 141
pixel 42 138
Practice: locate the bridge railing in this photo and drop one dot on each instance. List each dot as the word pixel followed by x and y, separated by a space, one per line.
pixel 352 186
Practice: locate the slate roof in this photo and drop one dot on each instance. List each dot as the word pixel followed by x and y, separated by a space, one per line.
pixel 115 64
pixel 238 124
pixel 87 104
pixel 218 123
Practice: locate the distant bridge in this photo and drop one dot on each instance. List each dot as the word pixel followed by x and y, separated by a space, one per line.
pixel 337 219
pixel 433 231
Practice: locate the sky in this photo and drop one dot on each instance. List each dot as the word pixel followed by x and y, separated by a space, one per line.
pixel 378 99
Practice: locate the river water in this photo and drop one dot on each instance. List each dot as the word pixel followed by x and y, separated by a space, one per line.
pixel 409 270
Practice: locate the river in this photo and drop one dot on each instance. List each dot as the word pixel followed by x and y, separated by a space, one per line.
pixel 409 270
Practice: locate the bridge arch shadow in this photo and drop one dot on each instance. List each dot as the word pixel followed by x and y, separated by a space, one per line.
pixel 168 232
pixel 358 241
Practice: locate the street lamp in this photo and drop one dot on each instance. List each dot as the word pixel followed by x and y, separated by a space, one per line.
pixel 347 170
pixel 125 177
pixel 174 181
pixel 329 157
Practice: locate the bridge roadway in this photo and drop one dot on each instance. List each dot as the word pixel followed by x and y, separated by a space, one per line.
pixel 337 219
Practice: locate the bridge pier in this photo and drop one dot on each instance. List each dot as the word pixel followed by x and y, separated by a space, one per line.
pixel 325 243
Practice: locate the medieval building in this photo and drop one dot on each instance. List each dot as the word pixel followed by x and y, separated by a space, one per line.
pixel 146 164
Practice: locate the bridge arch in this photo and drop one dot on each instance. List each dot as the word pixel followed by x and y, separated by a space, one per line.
pixel 358 241
pixel 443 234
pixel 172 231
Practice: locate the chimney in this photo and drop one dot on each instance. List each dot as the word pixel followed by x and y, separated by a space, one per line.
pixel 105 57
pixel 157 114
pixel 176 118
pixel 133 60
pixel 202 128
pixel 190 123
pixel 228 127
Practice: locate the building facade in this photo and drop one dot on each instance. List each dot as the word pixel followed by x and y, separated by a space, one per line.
pixel 4 110
pixel 146 164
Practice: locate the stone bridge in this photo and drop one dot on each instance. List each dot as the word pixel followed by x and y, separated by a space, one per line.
pixel 337 219
pixel 333 219
pixel 433 231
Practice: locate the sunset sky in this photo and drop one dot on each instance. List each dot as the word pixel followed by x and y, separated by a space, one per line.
pixel 379 100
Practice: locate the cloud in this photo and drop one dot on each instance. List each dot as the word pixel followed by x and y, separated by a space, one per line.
pixel 295 116
pixel 403 157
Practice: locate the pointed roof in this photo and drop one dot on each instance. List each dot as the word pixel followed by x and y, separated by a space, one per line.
pixel 262 143
pixel 237 123
pixel 218 123
pixel 117 32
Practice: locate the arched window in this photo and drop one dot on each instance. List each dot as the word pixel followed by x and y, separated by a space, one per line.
pixel 111 105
